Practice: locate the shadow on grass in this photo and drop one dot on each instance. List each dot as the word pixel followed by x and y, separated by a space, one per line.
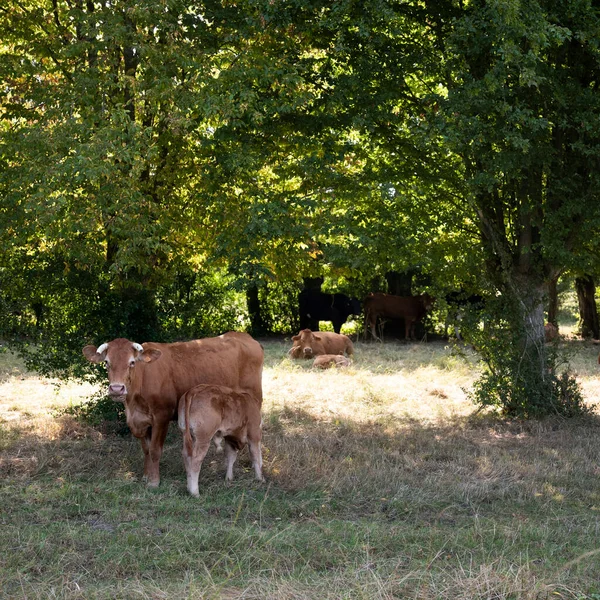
pixel 360 466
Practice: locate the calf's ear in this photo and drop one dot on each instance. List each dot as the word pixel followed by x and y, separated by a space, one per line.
pixel 92 355
pixel 149 355
pixel 317 337
pixel 295 337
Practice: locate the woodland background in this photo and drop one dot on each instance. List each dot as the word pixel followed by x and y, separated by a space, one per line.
pixel 172 170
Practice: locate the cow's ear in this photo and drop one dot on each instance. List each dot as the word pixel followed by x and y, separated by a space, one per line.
pixel 295 337
pixel 149 355
pixel 92 355
pixel 317 337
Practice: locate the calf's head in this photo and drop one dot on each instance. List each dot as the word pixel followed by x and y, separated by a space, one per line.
pixel 120 357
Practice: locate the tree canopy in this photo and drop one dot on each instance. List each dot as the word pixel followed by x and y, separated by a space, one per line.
pixel 157 156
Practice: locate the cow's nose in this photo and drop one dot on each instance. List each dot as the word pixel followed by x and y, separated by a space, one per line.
pixel 117 389
pixel 307 350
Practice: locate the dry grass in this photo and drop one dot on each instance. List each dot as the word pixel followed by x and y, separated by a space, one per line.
pixel 382 483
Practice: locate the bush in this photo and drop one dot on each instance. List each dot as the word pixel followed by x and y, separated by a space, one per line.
pixel 99 411
pixel 521 375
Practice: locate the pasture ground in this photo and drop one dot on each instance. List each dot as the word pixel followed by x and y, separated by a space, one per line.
pixel 382 482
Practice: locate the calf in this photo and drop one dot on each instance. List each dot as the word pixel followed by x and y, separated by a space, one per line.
pixel 324 361
pixel 308 344
pixel 216 412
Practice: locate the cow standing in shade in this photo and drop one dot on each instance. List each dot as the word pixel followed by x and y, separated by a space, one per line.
pixel 151 378
pixel 315 306
pixel 411 309
pixel 308 344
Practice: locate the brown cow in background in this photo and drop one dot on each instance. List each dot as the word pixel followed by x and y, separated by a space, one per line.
pixel 308 344
pixel 151 378
pixel 386 306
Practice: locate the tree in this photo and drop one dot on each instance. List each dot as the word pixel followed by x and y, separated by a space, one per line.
pixel 521 112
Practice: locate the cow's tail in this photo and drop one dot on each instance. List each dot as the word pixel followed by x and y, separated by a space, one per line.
pixel 187 434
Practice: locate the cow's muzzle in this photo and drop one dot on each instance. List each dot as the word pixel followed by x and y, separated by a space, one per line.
pixel 308 351
pixel 117 391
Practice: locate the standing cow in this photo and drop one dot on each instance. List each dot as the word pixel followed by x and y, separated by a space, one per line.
pixel 315 306
pixel 151 378
pixel 411 309
pixel 215 412
pixel 308 344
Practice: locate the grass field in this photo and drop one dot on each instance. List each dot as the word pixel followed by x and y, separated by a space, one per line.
pixel 382 482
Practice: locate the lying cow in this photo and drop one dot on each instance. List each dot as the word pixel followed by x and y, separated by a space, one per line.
pixel 411 309
pixel 151 378
pixel 208 412
pixel 308 344
pixel 315 306
pixel 324 361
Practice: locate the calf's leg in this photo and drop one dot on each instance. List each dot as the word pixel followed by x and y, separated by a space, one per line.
pixel 256 456
pixel 193 463
pixel 231 454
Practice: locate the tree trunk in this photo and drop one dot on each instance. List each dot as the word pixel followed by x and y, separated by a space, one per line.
pixel 399 284
pixel 588 314
pixel 257 323
pixel 553 301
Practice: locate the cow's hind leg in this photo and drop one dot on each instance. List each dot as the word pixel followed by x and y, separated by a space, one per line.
pixel 193 463
pixel 231 454
pixel 256 452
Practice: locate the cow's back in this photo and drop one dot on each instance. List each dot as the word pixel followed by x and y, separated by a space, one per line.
pixel 393 307
pixel 233 360
pixel 334 343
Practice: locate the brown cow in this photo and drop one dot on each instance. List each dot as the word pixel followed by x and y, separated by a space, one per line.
pixel 151 379
pixel 324 361
pixel 308 344
pixel 216 412
pixel 550 332
pixel 386 306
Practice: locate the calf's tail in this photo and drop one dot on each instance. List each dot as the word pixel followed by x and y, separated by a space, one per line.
pixel 187 434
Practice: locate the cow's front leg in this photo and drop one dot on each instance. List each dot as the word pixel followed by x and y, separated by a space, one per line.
pixel 153 447
pixel 145 438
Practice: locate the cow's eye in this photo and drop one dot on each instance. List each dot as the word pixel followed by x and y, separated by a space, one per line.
pixel 131 364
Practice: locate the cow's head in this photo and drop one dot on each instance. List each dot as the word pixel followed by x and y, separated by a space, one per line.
pixel 120 357
pixel 304 340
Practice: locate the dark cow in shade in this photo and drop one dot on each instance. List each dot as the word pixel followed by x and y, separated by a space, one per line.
pixel 318 306
pixel 411 309
pixel 151 378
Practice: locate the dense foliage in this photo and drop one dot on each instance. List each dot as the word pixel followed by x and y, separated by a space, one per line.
pixel 161 163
